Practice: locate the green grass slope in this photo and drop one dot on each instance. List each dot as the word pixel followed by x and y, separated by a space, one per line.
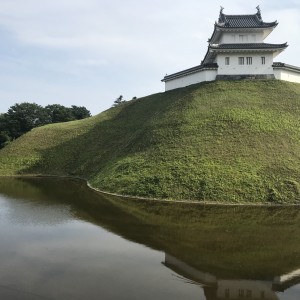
pixel 223 141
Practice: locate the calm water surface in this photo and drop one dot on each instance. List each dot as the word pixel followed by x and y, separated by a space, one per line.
pixel 60 240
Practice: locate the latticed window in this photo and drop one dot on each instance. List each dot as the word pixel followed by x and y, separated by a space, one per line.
pixel 227 61
pixel 263 60
pixel 241 60
pixel 249 60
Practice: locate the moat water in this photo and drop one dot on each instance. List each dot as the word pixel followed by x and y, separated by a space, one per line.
pixel 61 240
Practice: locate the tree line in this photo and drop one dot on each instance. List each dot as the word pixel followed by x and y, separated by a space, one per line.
pixel 21 118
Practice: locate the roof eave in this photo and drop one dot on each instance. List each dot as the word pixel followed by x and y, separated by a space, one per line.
pixel 278 65
pixel 266 48
pixel 249 49
pixel 214 34
pixel 189 71
pixel 270 25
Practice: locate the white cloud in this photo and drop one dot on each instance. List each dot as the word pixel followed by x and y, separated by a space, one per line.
pixel 287 31
pixel 91 62
pixel 126 46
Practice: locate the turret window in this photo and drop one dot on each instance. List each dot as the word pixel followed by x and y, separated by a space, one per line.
pixel 249 60
pixel 227 61
pixel 263 60
pixel 241 60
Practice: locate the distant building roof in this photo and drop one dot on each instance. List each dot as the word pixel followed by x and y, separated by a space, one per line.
pixel 198 68
pixel 280 65
pixel 243 21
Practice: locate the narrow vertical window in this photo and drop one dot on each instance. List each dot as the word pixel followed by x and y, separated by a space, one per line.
pixel 241 60
pixel 227 61
pixel 263 60
pixel 227 294
pixel 249 60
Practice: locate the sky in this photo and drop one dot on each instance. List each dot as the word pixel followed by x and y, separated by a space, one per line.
pixel 89 52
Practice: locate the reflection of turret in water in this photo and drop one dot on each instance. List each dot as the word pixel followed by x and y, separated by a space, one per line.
pixel 220 289
pixel 284 282
pixel 240 289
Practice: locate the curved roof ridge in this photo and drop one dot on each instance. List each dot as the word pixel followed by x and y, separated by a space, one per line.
pixel 243 20
pixel 241 15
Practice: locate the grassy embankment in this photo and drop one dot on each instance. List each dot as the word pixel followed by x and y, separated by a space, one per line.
pixel 221 141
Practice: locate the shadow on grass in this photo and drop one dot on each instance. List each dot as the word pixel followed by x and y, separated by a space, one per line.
pixel 192 143
pixel 131 129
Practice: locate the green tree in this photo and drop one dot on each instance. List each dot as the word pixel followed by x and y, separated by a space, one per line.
pixel 4 139
pixel 21 118
pixel 3 123
pixel 80 112
pixel 58 113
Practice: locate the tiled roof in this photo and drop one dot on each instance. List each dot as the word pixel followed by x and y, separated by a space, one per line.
pixel 248 46
pixel 190 70
pixel 281 65
pixel 243 21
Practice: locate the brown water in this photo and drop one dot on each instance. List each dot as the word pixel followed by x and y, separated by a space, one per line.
pixel 60 240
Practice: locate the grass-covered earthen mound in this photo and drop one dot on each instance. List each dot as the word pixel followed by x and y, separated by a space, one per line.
pixel 224 142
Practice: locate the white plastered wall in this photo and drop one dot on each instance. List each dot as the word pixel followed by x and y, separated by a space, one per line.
pixel 287 75
pixel 205 75
pixel 252 287
pixel 241 37
pixel 257 68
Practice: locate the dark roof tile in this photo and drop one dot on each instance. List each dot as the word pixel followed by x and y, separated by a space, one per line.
pixel 248 46
pixel 190 71
pixel 243 21
pixel 281 65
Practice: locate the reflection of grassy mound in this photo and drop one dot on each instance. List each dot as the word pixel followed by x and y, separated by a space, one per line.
pixel 221 141
pixel 229 242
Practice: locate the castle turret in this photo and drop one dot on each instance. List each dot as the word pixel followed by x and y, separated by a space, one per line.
pixel 237 50
pixel 237 46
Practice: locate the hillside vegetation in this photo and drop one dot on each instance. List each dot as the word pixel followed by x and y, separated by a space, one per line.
pixel 223 141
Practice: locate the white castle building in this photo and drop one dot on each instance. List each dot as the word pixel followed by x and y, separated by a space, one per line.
pixel 236 50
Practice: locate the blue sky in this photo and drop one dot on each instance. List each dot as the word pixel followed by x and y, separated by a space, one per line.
pixel 88 52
